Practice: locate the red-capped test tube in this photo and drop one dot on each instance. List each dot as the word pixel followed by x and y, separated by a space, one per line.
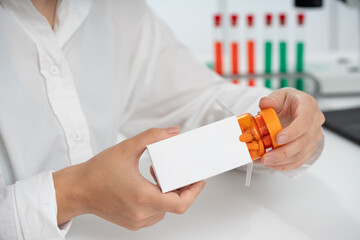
pixel 283 49
pixel 300 46
pixel 234 47
pixel 250 47
pixel 218 45
pixel 268 37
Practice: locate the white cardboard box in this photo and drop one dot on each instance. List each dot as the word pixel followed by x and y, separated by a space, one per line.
pixel 198 154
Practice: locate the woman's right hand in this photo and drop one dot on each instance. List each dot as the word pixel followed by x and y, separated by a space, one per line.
pixel 110 186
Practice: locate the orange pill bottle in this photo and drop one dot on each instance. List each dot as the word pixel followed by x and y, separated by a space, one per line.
pixel 259 132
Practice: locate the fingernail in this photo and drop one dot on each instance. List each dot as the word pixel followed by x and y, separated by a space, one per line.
pixel 268 159
pixel 282 139
pixel 262 99
pixel 172 130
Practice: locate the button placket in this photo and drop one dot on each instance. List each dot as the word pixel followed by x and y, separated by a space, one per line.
pixel 65 102
pixel 54 70
pixel 76 136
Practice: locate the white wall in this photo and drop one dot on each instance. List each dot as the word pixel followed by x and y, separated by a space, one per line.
pixel 192 22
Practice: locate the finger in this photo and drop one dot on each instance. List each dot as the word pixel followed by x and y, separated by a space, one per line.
pixel 180 190
pixel 304 121
pixel 153 174
pixel 140 141
pixel 258 161
pixel 275 100
pixel 175 203
pixel 297 161
pixel 283 154
pixel 309 148
pixel 299 126
pixel 190 193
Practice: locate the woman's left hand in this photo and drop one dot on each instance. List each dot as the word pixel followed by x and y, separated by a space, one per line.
pixel 301 119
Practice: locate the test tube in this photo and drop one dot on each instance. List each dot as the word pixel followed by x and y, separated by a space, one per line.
pixel 250 44
pixel 300 45
pixel 218 45
pixel 282 49
pixel 268 48
pixel 234 46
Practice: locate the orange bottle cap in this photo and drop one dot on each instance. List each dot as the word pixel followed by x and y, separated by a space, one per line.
pixel 272 122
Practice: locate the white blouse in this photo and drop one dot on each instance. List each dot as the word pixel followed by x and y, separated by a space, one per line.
pixel 108 67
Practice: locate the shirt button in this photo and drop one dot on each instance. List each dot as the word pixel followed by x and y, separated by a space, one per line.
pixel 76 136
pixel 54 70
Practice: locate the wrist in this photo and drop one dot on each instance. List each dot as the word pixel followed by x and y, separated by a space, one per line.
pixel 71 195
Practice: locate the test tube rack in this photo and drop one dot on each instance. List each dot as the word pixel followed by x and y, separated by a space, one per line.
pixel 313 84
pixel 228 52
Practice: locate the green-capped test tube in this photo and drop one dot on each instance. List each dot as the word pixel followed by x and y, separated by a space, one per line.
pixel 283 67
pixel 299 82
pixel 268 50
pixel 283 50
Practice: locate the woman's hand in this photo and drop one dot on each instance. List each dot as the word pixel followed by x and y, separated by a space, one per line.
pixel 110 186
pixel 301 119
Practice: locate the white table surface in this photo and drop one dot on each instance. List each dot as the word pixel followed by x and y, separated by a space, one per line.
pixel 323 203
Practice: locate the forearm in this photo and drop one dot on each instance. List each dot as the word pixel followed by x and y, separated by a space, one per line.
pixel 71 196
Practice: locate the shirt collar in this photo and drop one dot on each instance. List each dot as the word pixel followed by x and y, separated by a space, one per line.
pixel 69 17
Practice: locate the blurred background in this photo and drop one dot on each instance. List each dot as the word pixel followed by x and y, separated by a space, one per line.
pixel 331 36
pixel 192 21
pixel 320 55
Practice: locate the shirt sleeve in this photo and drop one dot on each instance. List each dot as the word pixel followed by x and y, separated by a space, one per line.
pixel 173 87
pixel 8 229
pixel 178 89
pixel 28 210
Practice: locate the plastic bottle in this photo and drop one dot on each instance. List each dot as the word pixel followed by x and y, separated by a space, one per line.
pixel 259 132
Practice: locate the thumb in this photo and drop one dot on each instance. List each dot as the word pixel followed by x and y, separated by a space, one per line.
pixel 275 100
pixel 152 135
